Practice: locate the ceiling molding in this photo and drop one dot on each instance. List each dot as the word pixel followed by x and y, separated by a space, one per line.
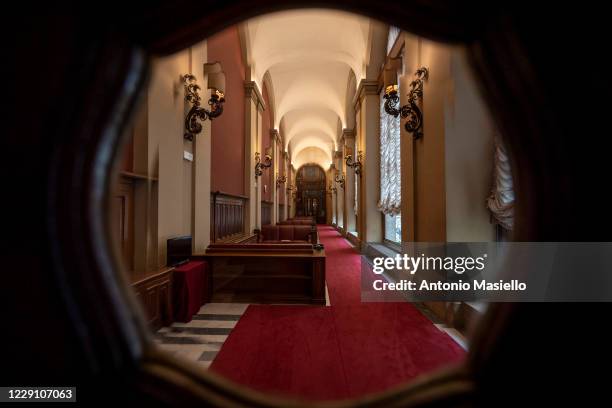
pixel 365 88
pixel 348 136
pixel 252 91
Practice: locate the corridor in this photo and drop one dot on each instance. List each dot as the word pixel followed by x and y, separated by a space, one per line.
pixel 332 352
pixel 266 161
pixel 195 191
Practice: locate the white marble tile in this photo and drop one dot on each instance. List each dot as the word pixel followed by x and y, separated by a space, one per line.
pixel 215 338
pixel 179 348
pixel 204 364
pixel 191 355
pixel 229 324
pixel 223 308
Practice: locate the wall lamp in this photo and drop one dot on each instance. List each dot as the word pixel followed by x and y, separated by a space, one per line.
pixel 293 189
pixel 332 189
pixel 356 165
pixel 410 111
pixel 340 180
pixel 259 165
pixel 216 82
pixel 280 180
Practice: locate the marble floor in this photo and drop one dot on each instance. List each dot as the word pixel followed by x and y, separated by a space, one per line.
pixel 201 339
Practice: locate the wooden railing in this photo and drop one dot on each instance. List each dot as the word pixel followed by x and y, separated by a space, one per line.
pixel 227 215
pixel 281 212
pixel 266 212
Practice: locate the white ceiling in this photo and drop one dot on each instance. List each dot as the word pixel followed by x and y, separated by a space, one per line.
pixel 309 55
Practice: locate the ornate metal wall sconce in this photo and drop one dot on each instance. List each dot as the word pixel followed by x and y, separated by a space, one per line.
pixel 410 111
pixel 340 180
pixel 293 190
pixel 259 166
pixel 332 189
pixel 356 165
pixel 216 82
pixel 280 180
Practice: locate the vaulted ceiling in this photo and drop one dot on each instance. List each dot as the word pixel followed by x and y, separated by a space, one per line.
pixel 309 57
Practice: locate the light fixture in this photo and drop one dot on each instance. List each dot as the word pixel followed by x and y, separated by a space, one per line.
pixel 410 111
pixel 356 165
pixel 332 188
pixel 280 180
pixel 216 82
pixel 340 180
pixel 259 166
pixel 293 189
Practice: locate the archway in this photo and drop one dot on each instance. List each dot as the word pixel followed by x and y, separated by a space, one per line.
pixel 311 192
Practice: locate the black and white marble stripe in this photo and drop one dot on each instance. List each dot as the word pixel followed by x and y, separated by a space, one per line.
pixel 201 339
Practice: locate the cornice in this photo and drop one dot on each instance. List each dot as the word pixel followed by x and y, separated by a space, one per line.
pixel 365 88
pixel 275 135
pixel 251 90
pixel 348 135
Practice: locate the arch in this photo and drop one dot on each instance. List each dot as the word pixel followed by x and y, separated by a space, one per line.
pixel 311 138
pixel 312 154
pixel 323 120
pixel 308 85
pixel 276 38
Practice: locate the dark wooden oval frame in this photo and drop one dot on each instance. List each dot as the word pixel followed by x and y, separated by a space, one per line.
pixel 95 71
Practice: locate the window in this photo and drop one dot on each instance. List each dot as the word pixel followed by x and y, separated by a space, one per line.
pixel 393 228
pixel 390 174
pixel 393 34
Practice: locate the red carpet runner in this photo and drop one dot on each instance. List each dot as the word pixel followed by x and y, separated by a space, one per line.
pixel 342 351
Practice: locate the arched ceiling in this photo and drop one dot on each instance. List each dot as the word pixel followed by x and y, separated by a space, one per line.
pixel 309 56
pixel 312 154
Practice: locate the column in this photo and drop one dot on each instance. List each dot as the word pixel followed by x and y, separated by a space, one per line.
pixel 338 161
pixel 275 172
pixel 348 140
pixel 332 184
pixel 201 166
pixel 253 143
pixel 286 196
pixel 371 228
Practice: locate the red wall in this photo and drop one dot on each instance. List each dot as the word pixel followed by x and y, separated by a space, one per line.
pixel 266 125
pixel 228 129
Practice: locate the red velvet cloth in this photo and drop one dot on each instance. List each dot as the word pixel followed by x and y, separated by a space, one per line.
pixel 189 286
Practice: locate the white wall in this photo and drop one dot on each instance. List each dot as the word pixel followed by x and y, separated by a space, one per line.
pixel 177 179
pixel 468 157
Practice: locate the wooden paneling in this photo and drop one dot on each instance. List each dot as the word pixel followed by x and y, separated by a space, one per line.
pixel 266 212
pixel 266 273
pixel 123 219
pixel 281 212
pixel 227 216
pixel 154 291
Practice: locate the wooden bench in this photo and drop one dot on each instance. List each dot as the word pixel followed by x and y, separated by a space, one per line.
pixel 290 234
pixel 265 273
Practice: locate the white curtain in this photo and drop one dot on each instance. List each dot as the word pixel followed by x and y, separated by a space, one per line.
pixel 390 162
pixel 501 200
pixel 393 34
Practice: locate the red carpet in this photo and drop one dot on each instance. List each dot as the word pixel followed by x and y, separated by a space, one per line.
pixel 342 351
